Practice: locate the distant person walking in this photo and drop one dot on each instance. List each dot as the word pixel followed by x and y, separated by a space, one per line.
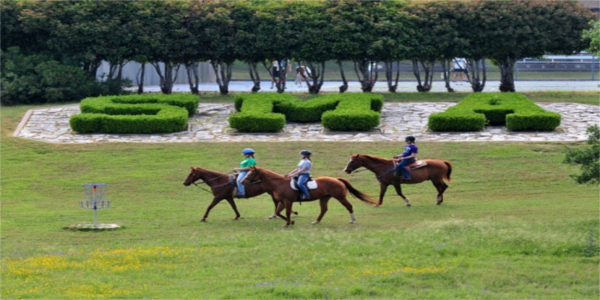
pixel 300 75
pixel 276 73
pixel 460 69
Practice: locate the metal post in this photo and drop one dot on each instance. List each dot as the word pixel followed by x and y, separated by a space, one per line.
pixel 593 67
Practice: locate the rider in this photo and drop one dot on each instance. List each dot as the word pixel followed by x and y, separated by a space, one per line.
pixel 244 168
pixel 407 157
pixel 303 172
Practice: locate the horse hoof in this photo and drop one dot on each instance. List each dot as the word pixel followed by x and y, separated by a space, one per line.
pixel 315 222
pixel 296 213
pixel 293 222
pixel 351 222
pixel 272 217
pixel 203 220
pixel 376 205
pixel 408 204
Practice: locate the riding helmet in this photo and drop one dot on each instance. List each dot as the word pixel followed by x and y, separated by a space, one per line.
pixel 248 151
pixel 305 152
pixel 410 138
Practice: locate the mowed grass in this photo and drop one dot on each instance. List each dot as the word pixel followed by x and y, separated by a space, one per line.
pixel 513 225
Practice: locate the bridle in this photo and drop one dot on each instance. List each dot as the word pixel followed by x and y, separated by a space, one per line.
pixel 207 181
pixel 365 169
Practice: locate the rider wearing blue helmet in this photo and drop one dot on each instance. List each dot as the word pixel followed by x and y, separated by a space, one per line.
pixel 303 172
pixel 407 157
pixel 244 168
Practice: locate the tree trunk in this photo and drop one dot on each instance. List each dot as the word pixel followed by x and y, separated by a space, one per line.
pixel 317 75
pixel 140 79
pixel 168 77
pixel 254 76
pixel 366 71
pixel 344 86
pixel 424 86
pixel 279 80
pixel 193 78
pixel 446 63
pixel 223 74
pixel 391 81
pixel 507 71
pixel 476 74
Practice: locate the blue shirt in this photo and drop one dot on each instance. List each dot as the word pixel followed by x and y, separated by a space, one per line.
pixel 410 149
pixel 305 163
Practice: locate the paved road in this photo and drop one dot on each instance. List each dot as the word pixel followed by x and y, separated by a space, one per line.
pixel 404 86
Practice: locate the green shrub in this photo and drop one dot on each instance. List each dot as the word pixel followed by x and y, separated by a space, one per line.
pixel 135 114
pixel 28 79
pixel 270 112
pixel 513 110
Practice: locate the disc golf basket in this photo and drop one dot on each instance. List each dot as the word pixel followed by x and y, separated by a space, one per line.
pixel 94 194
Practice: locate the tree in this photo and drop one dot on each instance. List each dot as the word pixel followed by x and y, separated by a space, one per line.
pixel 354 24
pixel 392 43
pixel 440 30
pixel 314 35
pixel 588 158
pixel 593 35
pixel 424 47
pixel 515 30
pixel 244 13
pixel 168 41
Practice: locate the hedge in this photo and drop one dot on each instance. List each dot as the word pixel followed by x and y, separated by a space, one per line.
pixel 135 114
pixel 270 112
pixel 513 110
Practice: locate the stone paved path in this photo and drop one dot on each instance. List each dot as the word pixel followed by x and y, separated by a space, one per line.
pixel 398 120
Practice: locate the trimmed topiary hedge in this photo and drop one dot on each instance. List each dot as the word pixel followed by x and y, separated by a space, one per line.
pixel 513 110
pixel 135 114
pixel 270 112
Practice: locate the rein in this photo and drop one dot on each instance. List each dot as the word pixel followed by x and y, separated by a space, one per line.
pixel 378 176
pixel 206 182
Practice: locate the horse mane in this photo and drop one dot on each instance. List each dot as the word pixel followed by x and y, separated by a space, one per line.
pixel 375 158
pixel 269 172
pixel 208 171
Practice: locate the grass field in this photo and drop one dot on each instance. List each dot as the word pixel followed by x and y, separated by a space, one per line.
pixel 513 225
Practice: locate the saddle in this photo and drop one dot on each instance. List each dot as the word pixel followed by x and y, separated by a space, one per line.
pixel 311 184
pixel 415 165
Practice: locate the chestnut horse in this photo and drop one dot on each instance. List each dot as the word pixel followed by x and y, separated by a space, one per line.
pixel 436 170
pixel 327 187
pixel 222 189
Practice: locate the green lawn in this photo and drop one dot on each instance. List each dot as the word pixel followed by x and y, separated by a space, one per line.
pixel 513 225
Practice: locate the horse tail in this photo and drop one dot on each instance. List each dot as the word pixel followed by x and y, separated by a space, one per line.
pixel 447 176
pixel 356 193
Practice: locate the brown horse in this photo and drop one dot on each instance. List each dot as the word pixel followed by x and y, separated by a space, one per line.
pixel 435 170
pixel 222 189
pixel 328 187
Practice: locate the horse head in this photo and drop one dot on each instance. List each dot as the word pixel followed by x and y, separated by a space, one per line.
pixel 253 174
pixel 193 177
pixel 353 164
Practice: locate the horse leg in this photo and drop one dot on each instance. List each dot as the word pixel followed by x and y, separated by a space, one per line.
pixel 232 203
pixel 399 192
pixel 288 213
pixel 441 187
pixel 323 202
pixel 382 190
pixel 348 206
pixel 214 202
pixel 278 209
pixel 274 215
